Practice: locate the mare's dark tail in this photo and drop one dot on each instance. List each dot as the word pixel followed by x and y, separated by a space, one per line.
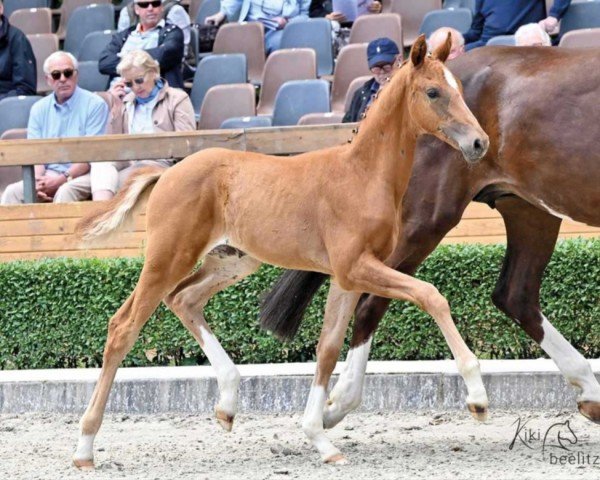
pixel 283 307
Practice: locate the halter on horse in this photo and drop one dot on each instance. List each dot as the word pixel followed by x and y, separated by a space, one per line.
pixel 334 211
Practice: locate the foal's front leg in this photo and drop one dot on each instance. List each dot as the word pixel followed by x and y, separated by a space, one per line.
pixel 371 275
pixel 339 309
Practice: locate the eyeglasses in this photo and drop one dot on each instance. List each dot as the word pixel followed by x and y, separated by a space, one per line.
pixel 154 3
pixel 137 81
pixel 387 68
pixel 67 72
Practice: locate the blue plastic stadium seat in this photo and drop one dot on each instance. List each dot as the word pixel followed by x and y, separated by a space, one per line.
pixel 93 44
pixel 508 40
pixel 247 122
pixel 90 77
pixel 84 20
pixel 217 70
pixel 314 33
pixel 14 111
pixel 299 97
pixel 581 15
pixel 11 5
pixel 207 8
pixel 470 4
pixel 459 18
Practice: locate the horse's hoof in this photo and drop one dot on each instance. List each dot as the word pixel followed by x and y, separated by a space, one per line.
pixel 226 421
pixel 337 459
pixel 83 464
pixel 479 412
pixel 590 410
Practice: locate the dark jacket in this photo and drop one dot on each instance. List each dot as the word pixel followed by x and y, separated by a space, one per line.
pixel 18 73
pixel 503 17
pixel 359 103
pixel 168 53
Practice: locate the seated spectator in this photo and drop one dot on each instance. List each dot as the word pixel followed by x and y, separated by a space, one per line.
pixel 160 38
pixel 17 63
pixel 173 12
pixel 274 14
pixel 500 17
pixel 381 55
pixel 532 35
pixel 439 37
pixel 141 103
pixel 324 8
pixel 70 111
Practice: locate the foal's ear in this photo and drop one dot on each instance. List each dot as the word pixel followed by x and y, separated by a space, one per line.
pixel 441 53
pixel 418 52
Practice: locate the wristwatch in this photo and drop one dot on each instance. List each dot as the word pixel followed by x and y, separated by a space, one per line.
pixel 67 176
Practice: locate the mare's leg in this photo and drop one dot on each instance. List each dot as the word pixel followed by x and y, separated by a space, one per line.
pixel 339 309
pixel 371 275
pixel 531 236
pixel 222 267
pixel 418 240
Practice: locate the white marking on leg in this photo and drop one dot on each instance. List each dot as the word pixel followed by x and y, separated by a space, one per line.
pixel 554 212
pixel 228 376
pixel 85 448
pixel 347 393
pixel 450 79
pixel 570 362
pixel 312 423
pixel 471 373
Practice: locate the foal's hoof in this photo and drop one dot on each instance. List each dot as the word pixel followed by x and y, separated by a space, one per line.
pixel 590 410
pixel 479 412
pixel 83 464
pixel 337 459
pixel 225 420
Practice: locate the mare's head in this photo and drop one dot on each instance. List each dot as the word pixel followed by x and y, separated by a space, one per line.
pixel 437 105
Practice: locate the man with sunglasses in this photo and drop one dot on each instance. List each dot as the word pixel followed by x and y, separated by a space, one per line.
pixel 17 62
pixel 157 36
pixel 69 111
pixel 381 55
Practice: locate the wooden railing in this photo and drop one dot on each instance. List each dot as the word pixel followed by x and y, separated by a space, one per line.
pixel 34 231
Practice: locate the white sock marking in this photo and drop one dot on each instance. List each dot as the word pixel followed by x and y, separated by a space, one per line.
pixel 312 423
pixel 570 362
pixel 85 448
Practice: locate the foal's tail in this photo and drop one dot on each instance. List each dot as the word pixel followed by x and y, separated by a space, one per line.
pixel 282 309
pixel 113 213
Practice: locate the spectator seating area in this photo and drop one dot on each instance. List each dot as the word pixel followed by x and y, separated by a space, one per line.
pixel 236 85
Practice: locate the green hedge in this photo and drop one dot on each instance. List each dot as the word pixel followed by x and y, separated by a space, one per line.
pixel 54 313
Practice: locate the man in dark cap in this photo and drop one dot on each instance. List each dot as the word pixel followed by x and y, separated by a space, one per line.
pixel 381 55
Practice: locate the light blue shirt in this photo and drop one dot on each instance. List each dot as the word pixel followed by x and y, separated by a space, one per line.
pixel 249 10
pixel 84 114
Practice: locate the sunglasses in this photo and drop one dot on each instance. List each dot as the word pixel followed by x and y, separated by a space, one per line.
pixel 137 81
pixel 67 72
pixel 144 5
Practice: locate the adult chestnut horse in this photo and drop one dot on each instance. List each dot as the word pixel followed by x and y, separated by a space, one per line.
pixel 334 211
pixel 540 109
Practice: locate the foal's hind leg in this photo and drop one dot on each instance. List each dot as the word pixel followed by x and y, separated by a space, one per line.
pixel 531 237
pixel 371 275
pixel 339 309
pixel 222 267
pixel 162 270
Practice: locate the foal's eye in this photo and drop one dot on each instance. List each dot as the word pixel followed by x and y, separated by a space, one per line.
pixel 433 93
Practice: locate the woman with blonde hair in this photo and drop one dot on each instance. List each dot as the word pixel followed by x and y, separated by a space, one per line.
pixel 141 102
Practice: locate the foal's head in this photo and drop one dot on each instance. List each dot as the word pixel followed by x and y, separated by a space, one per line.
pixel 437 104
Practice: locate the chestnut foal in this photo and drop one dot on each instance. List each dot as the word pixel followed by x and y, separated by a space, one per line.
pixel 332 211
